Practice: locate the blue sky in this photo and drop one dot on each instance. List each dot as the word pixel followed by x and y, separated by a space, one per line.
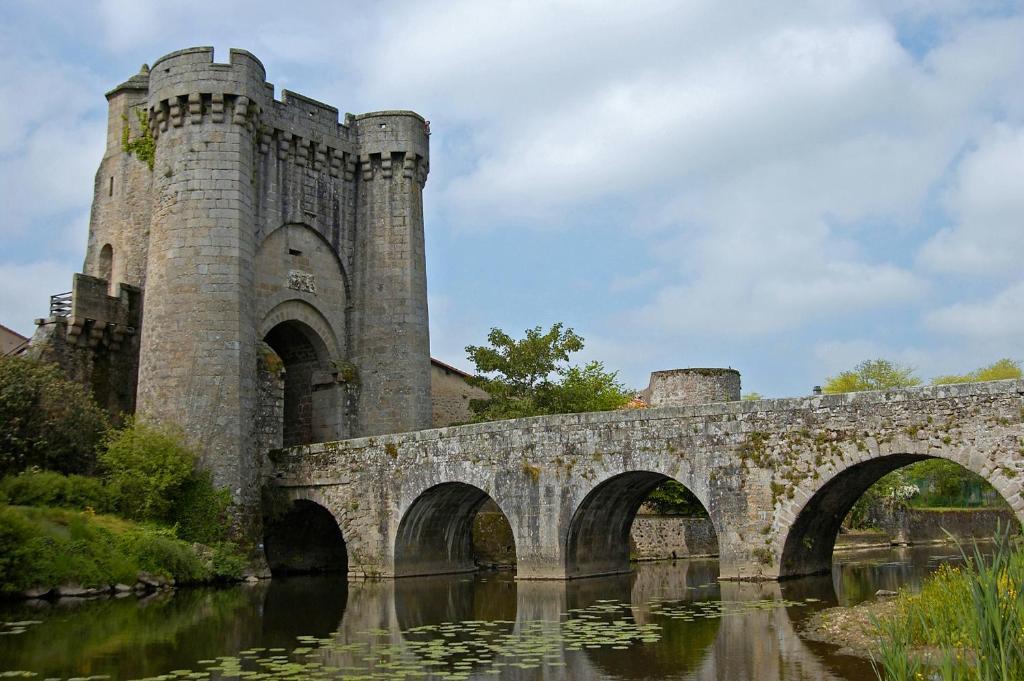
pixel 786 189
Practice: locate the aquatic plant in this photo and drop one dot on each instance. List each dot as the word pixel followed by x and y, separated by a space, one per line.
pixel 972 617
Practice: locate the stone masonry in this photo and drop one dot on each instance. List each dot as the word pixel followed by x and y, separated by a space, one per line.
pixel 246 225
pixel 776 476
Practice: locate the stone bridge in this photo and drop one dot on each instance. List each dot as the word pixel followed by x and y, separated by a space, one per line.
pixel 776 476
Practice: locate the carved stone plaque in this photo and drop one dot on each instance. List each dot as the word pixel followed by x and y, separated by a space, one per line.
pixel 301 281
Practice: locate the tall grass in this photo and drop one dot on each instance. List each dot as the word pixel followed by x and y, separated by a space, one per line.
pixel 45 547
pixel 967 624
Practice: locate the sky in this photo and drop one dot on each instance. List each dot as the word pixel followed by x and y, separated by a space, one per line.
pixel 786 189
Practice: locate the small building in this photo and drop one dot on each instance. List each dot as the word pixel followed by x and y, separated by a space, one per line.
pixel 11 342
pixel 450 393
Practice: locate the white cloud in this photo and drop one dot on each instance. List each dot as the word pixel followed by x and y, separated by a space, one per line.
pixel 997 320
pixel 987 203
pixel 51 139
pixel 735 305
pixel 748 151
pixel 52 173
pixel 833 357
pixel 452 328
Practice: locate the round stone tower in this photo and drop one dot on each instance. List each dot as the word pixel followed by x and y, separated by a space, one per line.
pixel 393 347
pixel 199 333
pixel 680 387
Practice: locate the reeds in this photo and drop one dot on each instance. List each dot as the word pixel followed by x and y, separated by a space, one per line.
pixel 967 624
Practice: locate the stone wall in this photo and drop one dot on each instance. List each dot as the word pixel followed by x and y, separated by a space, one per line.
pixel 450 395
pixel 10 340
pixel 118 244
pixel 493 541
pixel 923 525
pixel 96 342
pixel 657 537
pixel 652 537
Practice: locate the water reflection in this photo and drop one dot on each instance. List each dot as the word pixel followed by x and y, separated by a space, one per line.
pixel 291 605
pixel 129 637
pixel 423 601
pixel 672 620
pixel 684 645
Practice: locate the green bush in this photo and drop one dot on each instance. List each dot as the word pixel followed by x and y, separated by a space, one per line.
pixel 227 561
pixel 47 488
pixel 151 475
pixel 46 420
pixel 15 533
pixel 158 551
pixel 201 510
pixel 145 468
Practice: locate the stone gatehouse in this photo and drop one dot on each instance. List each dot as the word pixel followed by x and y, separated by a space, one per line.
pixel 255 266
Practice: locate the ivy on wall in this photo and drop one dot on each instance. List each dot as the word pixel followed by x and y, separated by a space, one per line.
pixel 142 147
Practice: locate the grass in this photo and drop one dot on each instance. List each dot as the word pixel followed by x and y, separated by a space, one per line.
pixel 967 623
pixel 47 547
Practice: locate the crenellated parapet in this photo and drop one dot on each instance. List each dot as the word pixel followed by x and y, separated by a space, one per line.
pixel 393 144
pixel 96 317
pixel 188 88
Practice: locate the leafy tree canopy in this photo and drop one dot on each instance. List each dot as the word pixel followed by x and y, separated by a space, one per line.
pixel 46 420
pixel 997 371
pixel 752 397
pixel 672 498
pixel 872 374
pixel 531 376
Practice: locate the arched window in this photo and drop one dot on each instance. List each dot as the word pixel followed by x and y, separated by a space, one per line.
pixel 106 264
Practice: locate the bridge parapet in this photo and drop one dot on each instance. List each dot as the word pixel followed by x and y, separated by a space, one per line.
pixel 777 476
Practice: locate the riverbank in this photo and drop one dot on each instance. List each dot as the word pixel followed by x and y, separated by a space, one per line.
pixel 58 552
pixel 853 629
pixel 971 610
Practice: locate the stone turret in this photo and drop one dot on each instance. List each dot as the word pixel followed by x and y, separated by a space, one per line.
pixel 391 322
pixel 681 387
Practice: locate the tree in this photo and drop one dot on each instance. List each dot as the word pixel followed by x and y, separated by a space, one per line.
pixel 752 397
pixel 872 374
pixel 672 498
pixel 997 371
pixel 531 376
pixel 46 420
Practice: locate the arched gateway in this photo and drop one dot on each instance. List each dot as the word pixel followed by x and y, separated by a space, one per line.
pixel 776 476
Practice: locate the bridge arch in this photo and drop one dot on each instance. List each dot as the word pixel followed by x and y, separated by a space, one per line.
pixel 435 533
pixel 807 541
pixel 304 537
pixel 597 540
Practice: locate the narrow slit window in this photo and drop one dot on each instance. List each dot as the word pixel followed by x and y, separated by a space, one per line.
pixel 110 189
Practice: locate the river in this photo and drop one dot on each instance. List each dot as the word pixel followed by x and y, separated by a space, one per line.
pixel 667 620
